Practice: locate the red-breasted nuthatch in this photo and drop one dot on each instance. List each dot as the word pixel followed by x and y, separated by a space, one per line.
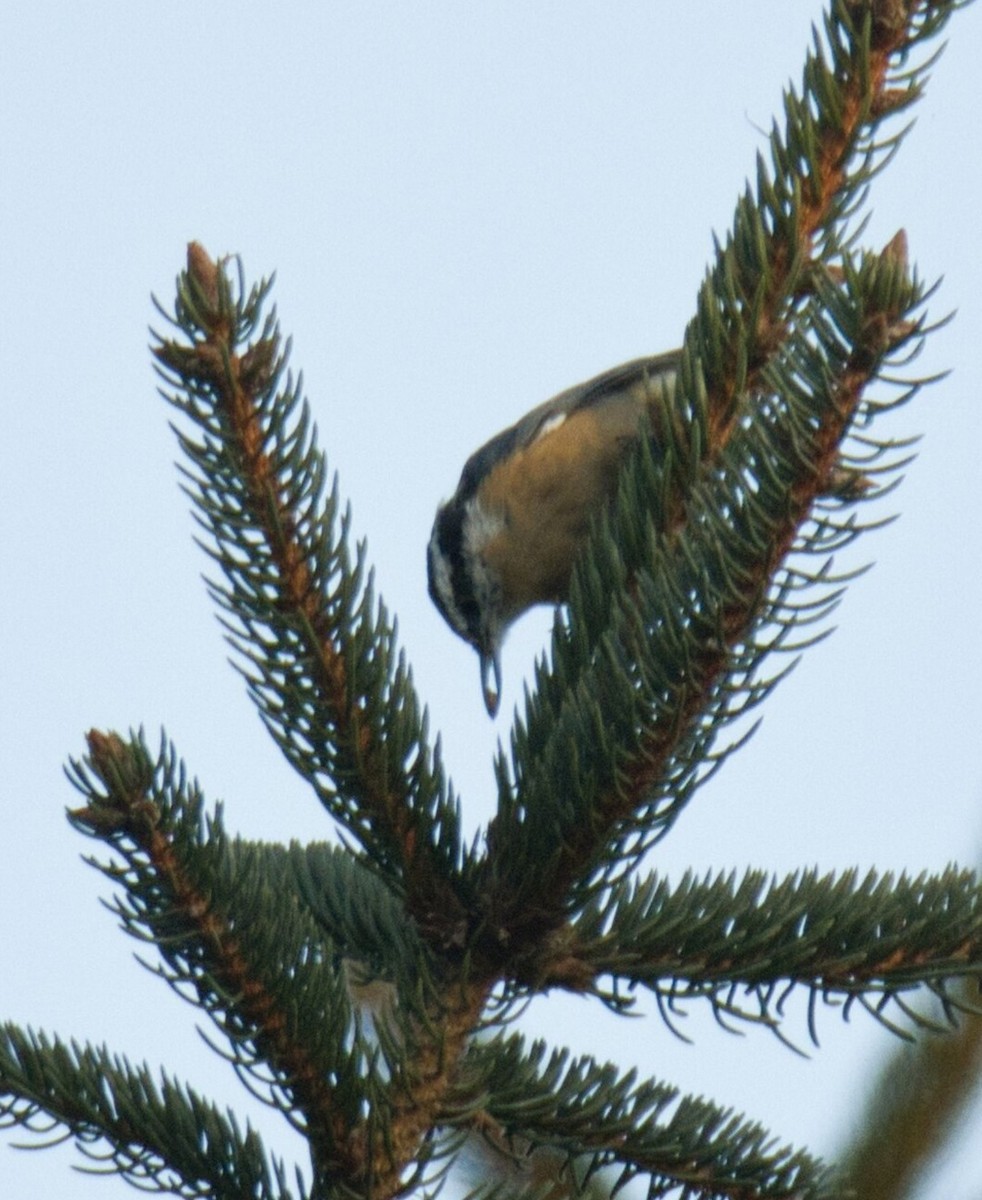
pixel 508 537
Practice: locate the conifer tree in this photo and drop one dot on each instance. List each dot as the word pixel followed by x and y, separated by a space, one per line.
pixel 714 561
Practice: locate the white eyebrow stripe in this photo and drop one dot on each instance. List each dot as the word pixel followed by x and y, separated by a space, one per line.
pixel 444 583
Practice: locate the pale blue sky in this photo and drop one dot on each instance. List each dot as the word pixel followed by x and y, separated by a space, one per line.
pixel 468 208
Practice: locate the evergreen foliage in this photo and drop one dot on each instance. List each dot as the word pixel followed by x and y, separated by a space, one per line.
pixel 363 991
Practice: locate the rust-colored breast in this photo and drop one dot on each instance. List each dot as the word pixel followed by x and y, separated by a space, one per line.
pixel 548 490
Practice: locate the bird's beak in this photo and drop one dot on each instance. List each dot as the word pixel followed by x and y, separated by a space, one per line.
pixel 491 679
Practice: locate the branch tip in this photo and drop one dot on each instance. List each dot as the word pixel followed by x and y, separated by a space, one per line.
pixel 203 272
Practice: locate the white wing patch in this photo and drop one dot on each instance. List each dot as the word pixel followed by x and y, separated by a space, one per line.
pixel 550 424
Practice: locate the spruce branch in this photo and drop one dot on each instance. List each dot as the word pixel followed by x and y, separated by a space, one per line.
pixel 644 686
pixel 317 650
pixel 364 921
pixel 160 1136
pixel 238 939
pixel 790 330
pixel 592 1112
pixel 848 939
pixel 232 941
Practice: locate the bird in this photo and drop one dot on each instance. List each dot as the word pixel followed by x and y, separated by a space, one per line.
pixel 507 539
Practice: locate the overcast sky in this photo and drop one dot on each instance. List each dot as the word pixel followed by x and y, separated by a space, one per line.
pixel 468 208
